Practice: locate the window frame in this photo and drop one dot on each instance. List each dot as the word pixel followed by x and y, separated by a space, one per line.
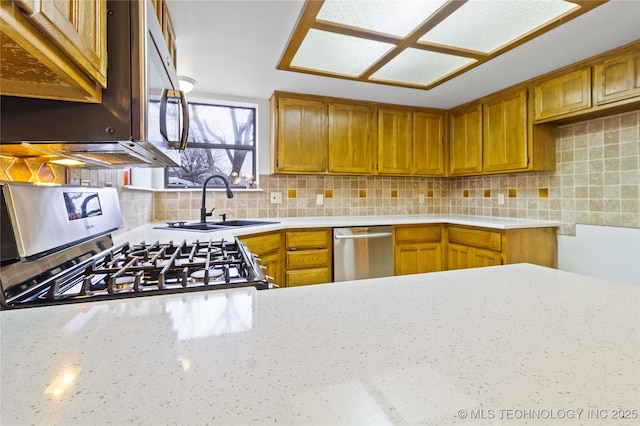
pixel 252 149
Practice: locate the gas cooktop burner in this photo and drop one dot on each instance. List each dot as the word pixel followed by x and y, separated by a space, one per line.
pixel 146 269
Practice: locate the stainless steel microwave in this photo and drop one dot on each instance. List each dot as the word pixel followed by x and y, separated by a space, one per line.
pixel 129 127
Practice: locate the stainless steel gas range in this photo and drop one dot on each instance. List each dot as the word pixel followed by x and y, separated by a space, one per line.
pixel 56 247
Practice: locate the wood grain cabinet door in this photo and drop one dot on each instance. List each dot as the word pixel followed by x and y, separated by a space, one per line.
pixel 418 258
pixel 465 141
pixel 563 95
pixel 618 79
pixel 301 136
pixel 79 29
pixel 350 128
pixel 505 133
pixel 417 249
pixel 428 144
pixel 394 142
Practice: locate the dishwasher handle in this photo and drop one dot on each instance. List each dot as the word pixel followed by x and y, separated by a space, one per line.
pixel 363 236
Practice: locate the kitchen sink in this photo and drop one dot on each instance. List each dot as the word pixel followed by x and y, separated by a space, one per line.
pixel 200 227
pixel 242 222
pixel 211 226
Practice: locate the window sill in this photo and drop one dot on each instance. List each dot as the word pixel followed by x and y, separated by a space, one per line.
pixel 234 190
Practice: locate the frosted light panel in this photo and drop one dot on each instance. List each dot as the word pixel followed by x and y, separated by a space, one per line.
pixel 420 67
pixel 338 53
pixel 397 18
pixel 486 25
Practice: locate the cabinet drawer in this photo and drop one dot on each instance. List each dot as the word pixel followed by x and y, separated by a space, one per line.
pixel 298 240
pixel 308 259
pixel 259 244
pixel 308 276
pixel 475 237
pixel 413 234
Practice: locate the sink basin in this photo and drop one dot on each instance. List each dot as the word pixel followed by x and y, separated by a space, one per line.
pixel 200 227
pixel 242 222
pixel 211 226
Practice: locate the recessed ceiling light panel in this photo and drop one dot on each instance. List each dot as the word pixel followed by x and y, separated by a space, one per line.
pixel 420 67
pixel 485 26
pixel 397 18
pixel 417 43
pixel 337 53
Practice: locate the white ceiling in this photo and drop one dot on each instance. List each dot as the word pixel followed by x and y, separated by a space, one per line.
pixel 231 48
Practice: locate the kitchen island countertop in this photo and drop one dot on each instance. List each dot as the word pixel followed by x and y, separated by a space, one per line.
pixel 511 344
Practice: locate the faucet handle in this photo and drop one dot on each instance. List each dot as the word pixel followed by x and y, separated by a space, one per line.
pixel 209 214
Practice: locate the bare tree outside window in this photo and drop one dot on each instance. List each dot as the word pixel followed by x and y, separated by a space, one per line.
pixel 221 141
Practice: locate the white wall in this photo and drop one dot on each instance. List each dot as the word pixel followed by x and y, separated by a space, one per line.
pixel 606 252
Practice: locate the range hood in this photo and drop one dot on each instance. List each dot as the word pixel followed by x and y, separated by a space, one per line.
pixel 126 129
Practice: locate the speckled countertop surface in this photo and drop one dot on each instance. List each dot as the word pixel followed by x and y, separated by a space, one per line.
pixel 512 344
pixel 143 232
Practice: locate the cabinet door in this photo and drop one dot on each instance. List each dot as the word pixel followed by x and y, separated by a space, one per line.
pixel 428 144
pixel 394 142
pixel 618 79
pixel 418 258
pixel 479 257
pixel 465 146
pixel 505 133
pixel 268 249
pixel 462 257
pixel 350 129
pixel 272 262
pixel 562 95
pixel 457 256
pixel 34 66
pixel 302 136
pixel 79 29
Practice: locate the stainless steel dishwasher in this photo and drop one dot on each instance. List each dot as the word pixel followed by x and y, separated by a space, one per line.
pixel 362 252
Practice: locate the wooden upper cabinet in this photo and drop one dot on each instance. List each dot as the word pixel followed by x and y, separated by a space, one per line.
pixel 350 134
pixel 394 141
pixel 563 95
pixel 465 141
pixel 301 136
pixel 428 144
pixel 617 79
pixel 54 49
pixel 79 29
pixel 505 133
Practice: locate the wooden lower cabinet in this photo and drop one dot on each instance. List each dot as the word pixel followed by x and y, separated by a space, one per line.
pixel 417 249
pixel 305 255
pixel 472 247
pixel 461 257
pixel 268 248
pixel 308 257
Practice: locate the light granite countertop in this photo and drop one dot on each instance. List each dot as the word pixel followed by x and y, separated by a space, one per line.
pixel 144 232
pixel 514 344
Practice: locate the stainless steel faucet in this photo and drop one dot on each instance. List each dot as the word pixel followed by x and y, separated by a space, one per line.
pixel 203 208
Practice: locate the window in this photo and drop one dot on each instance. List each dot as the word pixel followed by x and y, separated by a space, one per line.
pixel 222 140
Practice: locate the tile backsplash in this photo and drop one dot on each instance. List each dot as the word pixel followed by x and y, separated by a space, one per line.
pixel 341 196
pixel 597 181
